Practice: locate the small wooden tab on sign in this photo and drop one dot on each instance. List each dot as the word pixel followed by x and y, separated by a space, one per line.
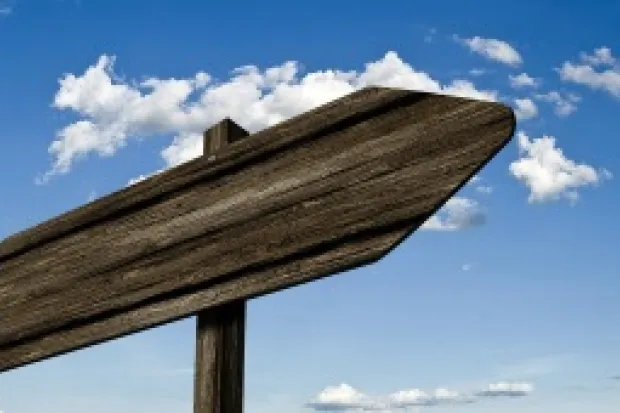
pixel 221 135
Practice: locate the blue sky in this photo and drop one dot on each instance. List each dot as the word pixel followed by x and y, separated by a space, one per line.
pixel 506 299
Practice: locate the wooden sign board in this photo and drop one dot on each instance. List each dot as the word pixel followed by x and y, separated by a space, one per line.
pixel 329 190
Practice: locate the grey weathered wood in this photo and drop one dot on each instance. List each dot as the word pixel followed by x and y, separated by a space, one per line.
pixel 326 191
pixel 351 254
pixel 157 187
pixel 219 359
pixel 220 136
pixel 220 332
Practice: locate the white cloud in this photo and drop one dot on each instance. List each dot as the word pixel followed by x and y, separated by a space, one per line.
pixel 346 398
pixel 548 174
pixel 342 397
pixel 522 80
pixel 484 189
pixel 466 267
pixel 91 196
pixel 607 80
pixel 5 11
pixel 493 49
pixel 417 397
pixel 563 105
pixel 479 187
pixel 458 213
pixel 586 73
pixel 601 56
pixel 507 389
pixel 477 72
pixel 113 111
pixel 525 109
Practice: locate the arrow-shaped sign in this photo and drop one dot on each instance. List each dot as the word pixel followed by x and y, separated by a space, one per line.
pixel 329 190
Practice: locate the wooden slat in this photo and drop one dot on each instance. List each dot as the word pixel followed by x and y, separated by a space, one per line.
pixel 219 359
pixel 387 165
pixel 315 122
pixel 345 256
pixel 220 332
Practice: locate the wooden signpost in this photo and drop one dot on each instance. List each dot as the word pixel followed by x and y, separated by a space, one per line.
pixel 329 190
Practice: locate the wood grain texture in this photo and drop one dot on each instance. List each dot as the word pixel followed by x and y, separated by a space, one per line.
pixel 326 191
pixel 219 359
pixel 347 255
pixel 220 331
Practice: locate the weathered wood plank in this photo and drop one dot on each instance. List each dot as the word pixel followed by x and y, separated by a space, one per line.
pixel 219 359
pixel 262 145
pixel 351 254
pixel 220 332
pixel 390 165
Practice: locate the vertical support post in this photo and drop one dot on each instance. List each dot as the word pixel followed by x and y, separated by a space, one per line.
pixel 220 332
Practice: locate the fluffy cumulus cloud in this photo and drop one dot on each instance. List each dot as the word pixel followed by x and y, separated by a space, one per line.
pixel 112 111
pixel 342 397
pixel 493 49
pixel 346 398
pixel 522 80
pixel 598 71
pixel 525 109
pixel 548 173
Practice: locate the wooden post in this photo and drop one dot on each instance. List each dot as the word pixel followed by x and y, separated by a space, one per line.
pixel 220 332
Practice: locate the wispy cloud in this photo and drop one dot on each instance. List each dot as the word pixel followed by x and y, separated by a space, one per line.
pixel 484 189
pixel 563 104
pixel 597 71
pixel 345 397
pixel 91 196
pixel 601 56
pixel 492 49
pixel 457 214
pixel 507 389
pixel 430 36
pixel 522 80
pixel 477 71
